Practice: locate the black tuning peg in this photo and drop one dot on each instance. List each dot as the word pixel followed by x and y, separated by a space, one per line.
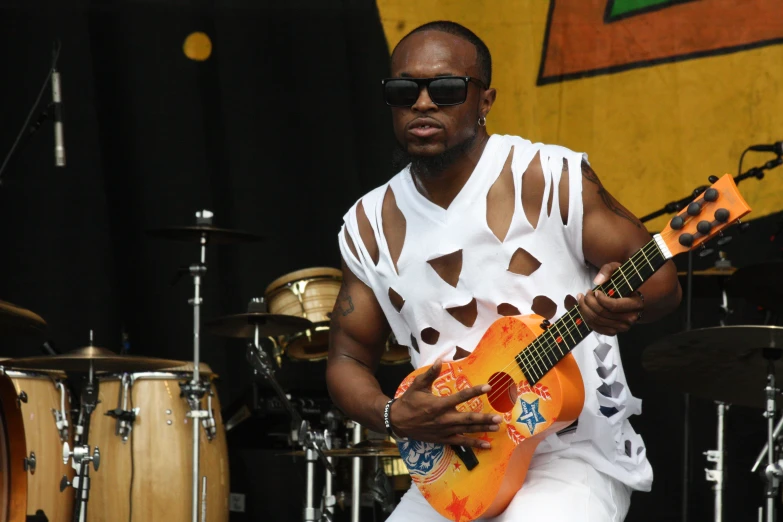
pixel 710 194
pixel 545 324
pixel 694 209
pixel 713 179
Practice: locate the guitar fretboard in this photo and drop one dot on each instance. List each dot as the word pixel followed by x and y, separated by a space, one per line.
pixel 568 331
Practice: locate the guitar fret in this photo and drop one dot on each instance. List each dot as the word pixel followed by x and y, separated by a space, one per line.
pixel 633 265
pixel 620 270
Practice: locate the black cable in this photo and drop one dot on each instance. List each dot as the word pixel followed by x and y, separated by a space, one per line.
pixel 55 56
pixel 742 156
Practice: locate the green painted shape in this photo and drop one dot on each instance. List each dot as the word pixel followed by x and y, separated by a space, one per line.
pixel 625 7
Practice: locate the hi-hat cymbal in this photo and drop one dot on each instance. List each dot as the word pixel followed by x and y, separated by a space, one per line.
pixel 244 325
pixel 17 320
pixel 725 363
pixel 367 448
pixel 214 235
pixel 761 284
pixel 102 360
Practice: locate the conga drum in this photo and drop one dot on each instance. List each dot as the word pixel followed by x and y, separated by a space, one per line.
pixel 310 293
pixel 45 404
pixel 13 450
pixel 146 475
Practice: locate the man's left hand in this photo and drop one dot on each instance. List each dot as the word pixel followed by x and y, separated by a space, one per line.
pixel 606 315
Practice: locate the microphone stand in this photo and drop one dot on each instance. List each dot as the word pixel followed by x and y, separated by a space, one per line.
pixel 672 208
pixel 27 130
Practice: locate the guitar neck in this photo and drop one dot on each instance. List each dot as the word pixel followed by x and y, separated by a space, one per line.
pixel 568 331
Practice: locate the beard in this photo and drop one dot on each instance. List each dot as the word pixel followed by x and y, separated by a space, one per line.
pixel 431 166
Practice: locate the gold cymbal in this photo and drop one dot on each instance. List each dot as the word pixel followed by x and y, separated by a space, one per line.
pixel 101 359
pixel 269 325
pixel 15 319
pixel 214 235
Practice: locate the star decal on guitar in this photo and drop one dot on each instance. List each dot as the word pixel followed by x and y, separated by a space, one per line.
pixel 530 416
pixel 457 465
pixel 457 507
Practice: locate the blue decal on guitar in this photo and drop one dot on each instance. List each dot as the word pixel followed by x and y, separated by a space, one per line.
pixel 530 416
pixel 426 461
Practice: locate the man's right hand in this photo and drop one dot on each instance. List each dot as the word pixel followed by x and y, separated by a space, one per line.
pixel 422 416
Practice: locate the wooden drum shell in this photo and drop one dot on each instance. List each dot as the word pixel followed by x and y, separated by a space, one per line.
pixel 43 438
pixel 157 458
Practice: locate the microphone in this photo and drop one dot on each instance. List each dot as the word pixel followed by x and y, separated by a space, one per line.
pixel 776 147
pixel 59 145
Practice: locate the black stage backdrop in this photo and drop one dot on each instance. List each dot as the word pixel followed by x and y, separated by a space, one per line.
pixel 278 133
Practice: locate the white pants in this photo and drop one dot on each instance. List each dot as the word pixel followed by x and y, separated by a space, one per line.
pixel 558 490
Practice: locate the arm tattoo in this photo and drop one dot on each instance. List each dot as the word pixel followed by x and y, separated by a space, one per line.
pixel 342 307
pixel 607 198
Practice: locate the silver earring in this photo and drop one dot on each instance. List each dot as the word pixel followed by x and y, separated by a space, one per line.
pixel 482 121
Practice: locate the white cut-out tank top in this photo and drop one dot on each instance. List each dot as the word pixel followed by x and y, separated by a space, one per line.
pixel 438 307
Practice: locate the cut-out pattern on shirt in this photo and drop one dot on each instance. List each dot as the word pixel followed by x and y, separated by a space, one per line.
pixel 465 314
pixel 351 246
pixel 394 226
pixel 367 234
pixel 430 335
pixel 533 186
pixel 507 309
pixel 500 201
pixel 415 344
pixel 544 306
pixel 523 263
pixel 460 353
pixel 448 267
pixel 396 300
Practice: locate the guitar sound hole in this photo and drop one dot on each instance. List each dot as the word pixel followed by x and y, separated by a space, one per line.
pixel 503 395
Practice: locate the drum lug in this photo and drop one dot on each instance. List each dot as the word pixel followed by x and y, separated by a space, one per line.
pixel 22 398
pixel 29 463
pixel 64 483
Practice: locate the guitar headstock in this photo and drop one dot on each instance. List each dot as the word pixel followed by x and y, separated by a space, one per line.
pixel 715 209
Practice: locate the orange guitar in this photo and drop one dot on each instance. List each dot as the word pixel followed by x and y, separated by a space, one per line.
pixel 536 384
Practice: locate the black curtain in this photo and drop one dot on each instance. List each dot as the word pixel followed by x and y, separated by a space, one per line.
pixel 277 133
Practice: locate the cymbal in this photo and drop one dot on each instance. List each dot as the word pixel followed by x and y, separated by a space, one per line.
pixel 102 360
pixel 214 235
pixel 761 284
pixel 724 363
pixel 15 319
pixel 367 448
pixel 269 325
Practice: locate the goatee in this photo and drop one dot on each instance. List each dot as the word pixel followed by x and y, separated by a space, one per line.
pixel 430 166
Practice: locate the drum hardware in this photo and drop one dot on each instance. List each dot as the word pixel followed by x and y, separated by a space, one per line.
pixel 90 358
pixel 774 470
pixel 312 442
pixel 29 463
pixel 125 418
pixel 80 456
pixel 717 475
pixel 60 416
pixel 356 473
pixel 209 424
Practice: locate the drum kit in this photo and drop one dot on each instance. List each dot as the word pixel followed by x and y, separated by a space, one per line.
pixel 732 365
pixel 130 435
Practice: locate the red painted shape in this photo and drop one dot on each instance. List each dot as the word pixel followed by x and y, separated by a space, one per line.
pixel 457 465
pixel 610 293
pixel 457 507
pixel 559 339
pixel 578 322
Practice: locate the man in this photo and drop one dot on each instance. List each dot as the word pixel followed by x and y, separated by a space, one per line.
pixel 476 227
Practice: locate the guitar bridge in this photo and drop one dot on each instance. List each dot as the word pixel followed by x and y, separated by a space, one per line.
pixel 467 456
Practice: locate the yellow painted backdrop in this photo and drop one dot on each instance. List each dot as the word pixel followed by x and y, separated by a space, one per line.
pixel 652 134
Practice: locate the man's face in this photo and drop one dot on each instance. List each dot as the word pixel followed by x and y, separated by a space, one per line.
pixel 426 55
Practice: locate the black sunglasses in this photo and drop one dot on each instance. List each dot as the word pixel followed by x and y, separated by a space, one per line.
pixel 443 90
